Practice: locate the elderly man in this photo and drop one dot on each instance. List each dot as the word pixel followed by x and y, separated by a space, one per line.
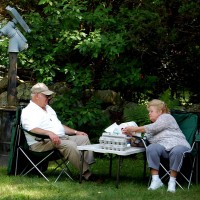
pixel 40 118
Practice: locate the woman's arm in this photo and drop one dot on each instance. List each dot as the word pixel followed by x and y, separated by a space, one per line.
pixel 131 130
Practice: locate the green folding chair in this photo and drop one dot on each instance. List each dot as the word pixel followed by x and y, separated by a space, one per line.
pixel 188 123
pixel 36 162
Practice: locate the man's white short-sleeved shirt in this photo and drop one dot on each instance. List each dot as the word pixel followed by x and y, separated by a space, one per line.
pixel 34 116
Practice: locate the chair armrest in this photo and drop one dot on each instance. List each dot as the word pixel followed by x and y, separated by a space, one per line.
pixel 143 139
pixel 140 137
pixel 40 136
pixel 197 138
pixel 137 137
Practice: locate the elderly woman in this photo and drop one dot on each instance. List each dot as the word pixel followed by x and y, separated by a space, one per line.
pixel 166 140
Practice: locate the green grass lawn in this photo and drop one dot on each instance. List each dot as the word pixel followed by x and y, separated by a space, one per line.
pixel 132 185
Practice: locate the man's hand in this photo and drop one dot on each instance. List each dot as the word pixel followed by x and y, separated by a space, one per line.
pixel 54 138
pixel 81 133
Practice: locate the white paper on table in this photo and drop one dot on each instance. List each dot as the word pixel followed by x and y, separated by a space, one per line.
pixel 117 129
pixel 114 128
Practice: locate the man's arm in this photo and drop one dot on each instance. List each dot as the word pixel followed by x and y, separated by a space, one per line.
pixel 70 131
pixel 54 138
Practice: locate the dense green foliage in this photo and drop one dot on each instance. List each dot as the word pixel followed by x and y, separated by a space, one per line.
pixel 138 48
pixel 137 113
pixel 149 45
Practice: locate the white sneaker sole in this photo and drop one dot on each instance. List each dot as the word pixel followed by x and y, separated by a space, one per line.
pixel 173 191
pixel 161 185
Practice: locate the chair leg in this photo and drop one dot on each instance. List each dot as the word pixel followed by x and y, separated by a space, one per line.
pixel 16 162
pixel 190 179
pixel 65 169
pixel 35 165
pixel 149 182
pixel 168 173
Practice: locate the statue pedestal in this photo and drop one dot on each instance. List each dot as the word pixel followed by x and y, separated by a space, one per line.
pixel 7 116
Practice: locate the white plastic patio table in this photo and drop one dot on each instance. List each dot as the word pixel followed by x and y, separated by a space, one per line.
pixel 96 148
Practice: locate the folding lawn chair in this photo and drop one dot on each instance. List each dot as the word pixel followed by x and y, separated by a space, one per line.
pixel 36 162
pixel 188 123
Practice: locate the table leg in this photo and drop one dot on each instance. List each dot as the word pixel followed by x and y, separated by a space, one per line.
pixel 118 171
pixel 81 168
pixel 110 167
pixel 197 164
pixel 145 165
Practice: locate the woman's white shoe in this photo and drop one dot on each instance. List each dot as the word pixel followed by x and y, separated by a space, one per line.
pixel 171 186
pixel 155 184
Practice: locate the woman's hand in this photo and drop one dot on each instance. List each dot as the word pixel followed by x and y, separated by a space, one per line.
pixel 129 130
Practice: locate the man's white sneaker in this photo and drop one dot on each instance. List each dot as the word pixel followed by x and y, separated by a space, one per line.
pixel 155 184
pixel 171 186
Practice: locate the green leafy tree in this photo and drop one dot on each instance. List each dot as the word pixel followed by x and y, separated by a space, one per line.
pixel 137 48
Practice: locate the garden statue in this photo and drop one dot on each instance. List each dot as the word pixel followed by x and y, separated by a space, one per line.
pixel 17 43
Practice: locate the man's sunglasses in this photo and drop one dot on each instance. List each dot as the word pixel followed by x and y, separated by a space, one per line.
pixel 49 96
